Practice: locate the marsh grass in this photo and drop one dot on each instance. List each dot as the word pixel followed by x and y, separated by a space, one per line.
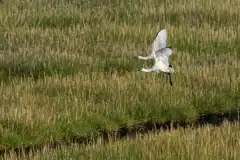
pixel 71 70
pixel 200 143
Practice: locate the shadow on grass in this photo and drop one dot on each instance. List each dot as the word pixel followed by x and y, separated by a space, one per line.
pixel 215 119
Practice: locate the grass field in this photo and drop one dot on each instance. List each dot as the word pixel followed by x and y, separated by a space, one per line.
pixel 69 68
pixel 198 144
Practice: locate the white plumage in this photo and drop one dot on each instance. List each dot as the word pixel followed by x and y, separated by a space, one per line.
pixel 160 53
pixel 159 43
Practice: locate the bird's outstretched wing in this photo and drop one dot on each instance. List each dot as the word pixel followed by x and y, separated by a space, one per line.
pixel 160 41
pixel 164 52
pixel 163 55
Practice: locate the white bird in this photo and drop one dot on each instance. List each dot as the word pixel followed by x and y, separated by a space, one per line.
pixel 159 43
pixel 160 53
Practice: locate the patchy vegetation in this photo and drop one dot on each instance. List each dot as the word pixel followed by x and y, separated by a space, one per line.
pixel 69 68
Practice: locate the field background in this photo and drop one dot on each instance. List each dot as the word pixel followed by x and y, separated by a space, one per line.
pixel 69 68
pixel 200 144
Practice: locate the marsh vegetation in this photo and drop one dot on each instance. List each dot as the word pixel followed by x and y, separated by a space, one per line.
pixel 69 68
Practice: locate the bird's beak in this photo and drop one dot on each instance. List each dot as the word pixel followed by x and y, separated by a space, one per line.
pixel 170 79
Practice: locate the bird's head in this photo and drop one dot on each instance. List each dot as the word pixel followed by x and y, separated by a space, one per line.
pixel 171 70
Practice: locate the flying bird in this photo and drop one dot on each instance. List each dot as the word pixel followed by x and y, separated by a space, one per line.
pixel 160 53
